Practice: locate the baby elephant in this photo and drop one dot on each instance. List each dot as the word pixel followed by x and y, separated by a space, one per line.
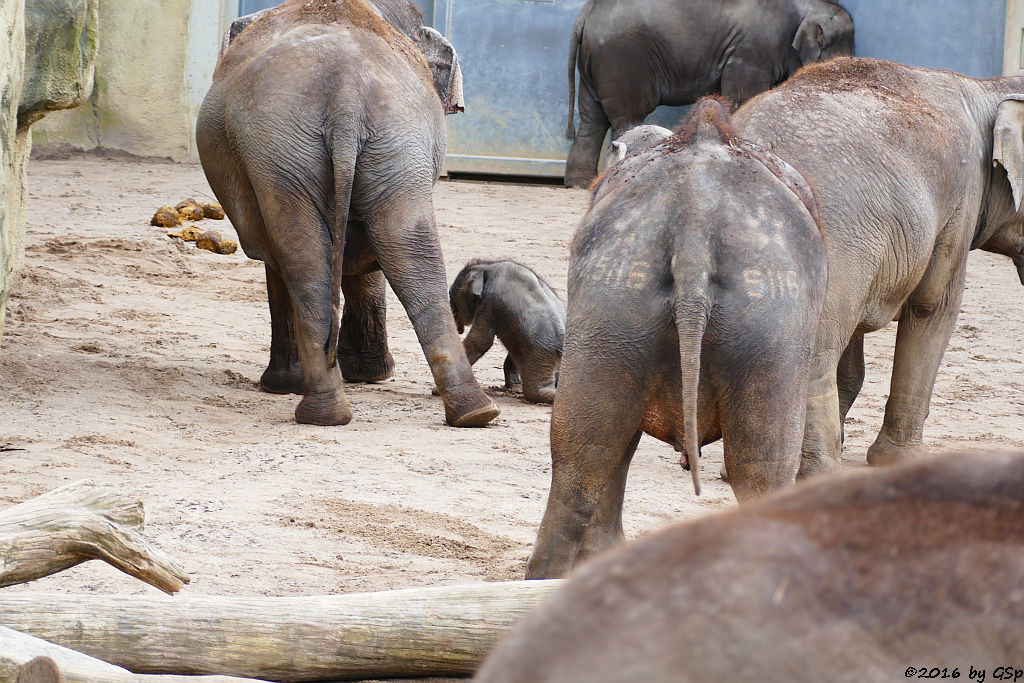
pixel 508 300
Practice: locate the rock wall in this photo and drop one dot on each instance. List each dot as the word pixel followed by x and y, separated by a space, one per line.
pixel 140 103
pixel 47 62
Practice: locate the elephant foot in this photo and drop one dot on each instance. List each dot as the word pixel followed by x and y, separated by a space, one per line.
pixel 282 380
pixel 539 566
pixel 811 466
pixel 468 406
pixel 362 368
pixel 542 395
pixel 724 474
pixel 327 408
pixel 884 452
pixel 578 181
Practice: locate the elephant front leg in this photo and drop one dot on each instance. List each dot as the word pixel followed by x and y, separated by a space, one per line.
pixel 921 339
pixel 284 374
pixel 407 248
pixel 363 353
pixel 822 441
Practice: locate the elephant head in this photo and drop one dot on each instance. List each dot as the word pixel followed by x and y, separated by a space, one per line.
pixel 465 294
pixel 825 32
pixel 634 140
pixel 1004 229
pixel 444 67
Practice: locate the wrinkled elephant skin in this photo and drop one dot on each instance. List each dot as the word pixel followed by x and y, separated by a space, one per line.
pixel 869 576
pixel 695 285
pixel 634 55
pixel 913 168
pixel 322 136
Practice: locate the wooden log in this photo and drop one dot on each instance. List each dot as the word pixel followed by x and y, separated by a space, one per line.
pixel 78 522
pixel 444 631
pixel 26 659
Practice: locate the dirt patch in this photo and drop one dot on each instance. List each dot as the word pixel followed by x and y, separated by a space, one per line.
pixel 130 358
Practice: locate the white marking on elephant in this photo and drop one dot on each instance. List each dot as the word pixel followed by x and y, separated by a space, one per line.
pixel 771 284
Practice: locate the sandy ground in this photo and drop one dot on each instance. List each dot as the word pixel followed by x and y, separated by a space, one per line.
pixel 130 358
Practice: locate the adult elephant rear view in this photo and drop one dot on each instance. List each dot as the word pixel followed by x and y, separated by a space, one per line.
pixel 634 55
pixel 322 136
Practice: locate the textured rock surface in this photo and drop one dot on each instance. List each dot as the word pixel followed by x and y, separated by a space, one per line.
pixel 12 63
pixel 47 57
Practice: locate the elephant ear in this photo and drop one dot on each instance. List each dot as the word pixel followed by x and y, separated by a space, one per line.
pixel 475 284
pixel 444 67
pixel 809 40
pixel 1008 145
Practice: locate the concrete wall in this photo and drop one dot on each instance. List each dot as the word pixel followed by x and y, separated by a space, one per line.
pixel 155 63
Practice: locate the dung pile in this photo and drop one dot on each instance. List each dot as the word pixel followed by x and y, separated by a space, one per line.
pixel 191 210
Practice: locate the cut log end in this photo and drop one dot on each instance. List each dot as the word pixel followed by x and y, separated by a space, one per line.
pixel 42 669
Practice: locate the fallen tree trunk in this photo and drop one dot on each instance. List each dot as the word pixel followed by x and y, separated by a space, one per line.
pixel 78 522
pixel 32 660
pixel 444 631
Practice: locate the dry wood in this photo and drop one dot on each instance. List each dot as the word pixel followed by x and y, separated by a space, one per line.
pixel 26 659
pixel 411 632
pixel 78 522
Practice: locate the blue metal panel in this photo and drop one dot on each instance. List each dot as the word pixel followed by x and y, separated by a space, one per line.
pixel 960 35
pixel 514 56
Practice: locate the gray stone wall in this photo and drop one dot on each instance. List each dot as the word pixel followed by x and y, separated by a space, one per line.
pixel 47 58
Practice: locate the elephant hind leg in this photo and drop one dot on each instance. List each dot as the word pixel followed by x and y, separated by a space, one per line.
pixel 595 429
pixel 405 242
pixel 298 241
pixel 363 345
pixel 284 373
pixel 581 165
pixel 539 377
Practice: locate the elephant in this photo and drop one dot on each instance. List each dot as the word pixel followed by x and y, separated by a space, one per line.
pixel 914 168
pixel 854 577
pixel 634 140
pixel 695 284
pixel 508 300
pixel 634 55
pixel 322 136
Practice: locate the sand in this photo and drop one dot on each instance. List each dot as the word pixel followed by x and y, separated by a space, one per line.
pixel 131 358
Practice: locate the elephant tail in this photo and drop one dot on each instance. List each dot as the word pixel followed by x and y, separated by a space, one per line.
pixel 574 46
pixel 691 317
pixel 344 161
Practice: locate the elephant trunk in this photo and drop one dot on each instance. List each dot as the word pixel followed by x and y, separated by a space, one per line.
pixel 1018 261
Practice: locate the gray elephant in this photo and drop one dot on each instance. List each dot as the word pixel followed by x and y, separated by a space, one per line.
pixel 914 168
pixel 633 141
pixel 508 300
pixel 695 285
pixel 872 576
pixel 322 136
pixel 634 55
